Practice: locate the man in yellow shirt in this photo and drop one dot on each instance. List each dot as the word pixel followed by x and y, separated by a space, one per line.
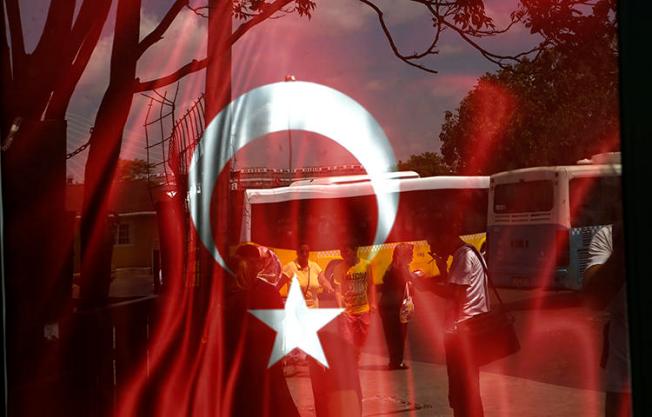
pixel 354 290
pixel 310 276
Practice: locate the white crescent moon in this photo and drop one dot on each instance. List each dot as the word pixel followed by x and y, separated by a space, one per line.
pixel 285 106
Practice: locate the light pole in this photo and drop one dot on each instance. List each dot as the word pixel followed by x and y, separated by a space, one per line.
pixel 288 78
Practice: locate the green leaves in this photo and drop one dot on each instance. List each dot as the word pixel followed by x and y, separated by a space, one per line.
pixel 566 109
pixel 425 164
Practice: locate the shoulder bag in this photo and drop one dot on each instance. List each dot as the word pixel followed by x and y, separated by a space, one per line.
pixel 407 305
pixel 488 336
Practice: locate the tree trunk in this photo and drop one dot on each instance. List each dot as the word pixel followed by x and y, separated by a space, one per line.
pixel 96 228
pixel 106 140
pixel 37 260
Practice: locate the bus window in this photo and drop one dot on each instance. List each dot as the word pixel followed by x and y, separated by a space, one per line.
pixel 325 223
pixel 593 200
pixel 322 223
pixel 524 197
pixel 421 210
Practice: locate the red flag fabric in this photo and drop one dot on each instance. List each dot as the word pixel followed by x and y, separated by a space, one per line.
pixel 265 275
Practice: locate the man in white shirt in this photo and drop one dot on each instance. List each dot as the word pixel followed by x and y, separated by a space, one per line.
pixel 604 280
pixel 465 288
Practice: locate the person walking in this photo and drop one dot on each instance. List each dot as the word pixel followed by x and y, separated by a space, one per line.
pixel 393 288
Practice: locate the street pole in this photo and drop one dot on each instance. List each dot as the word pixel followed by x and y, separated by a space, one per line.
pixel 288 78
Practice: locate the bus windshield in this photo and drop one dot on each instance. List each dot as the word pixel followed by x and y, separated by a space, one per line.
pixel 524 197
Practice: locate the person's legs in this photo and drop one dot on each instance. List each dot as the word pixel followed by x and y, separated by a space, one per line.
pixel 453 372
pixel 359 325
pixel 392 336
pixel 474 400
pixel 319 386
pixel 336 388
pixel 617 404
pixel 401 340
pixel 463 381
pixel 360 329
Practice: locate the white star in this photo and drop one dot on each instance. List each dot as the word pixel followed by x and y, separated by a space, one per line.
pixel 296 325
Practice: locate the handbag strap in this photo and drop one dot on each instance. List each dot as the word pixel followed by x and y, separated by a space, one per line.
pixel 406 293
pixel 305 292
pixel 486 273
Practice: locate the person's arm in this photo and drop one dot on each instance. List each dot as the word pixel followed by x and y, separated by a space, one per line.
pixel 445 290
pixel 284 279
pixel 457 297
pixel 371 290
pixel 325 284
pixel 603 281
pixel 605 275
pixel 337 287
pixel 436 284
pixel 338 295
pixel 442 266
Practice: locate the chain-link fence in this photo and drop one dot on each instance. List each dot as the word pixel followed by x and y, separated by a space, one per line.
pixel 170 142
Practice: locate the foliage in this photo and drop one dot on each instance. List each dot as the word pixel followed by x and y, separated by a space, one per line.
pixel 426 164
pixel 133 170
pixel 466 19
pixel 245 9
pixel 572 24
pixel 553 111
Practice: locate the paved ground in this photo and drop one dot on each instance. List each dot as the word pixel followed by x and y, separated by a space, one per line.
pixel 422 390
pixel 555 374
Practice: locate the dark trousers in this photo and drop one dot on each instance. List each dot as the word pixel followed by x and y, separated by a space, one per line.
pixel 618 404
pixel 395 333
pixel 463 380
pixel 336 389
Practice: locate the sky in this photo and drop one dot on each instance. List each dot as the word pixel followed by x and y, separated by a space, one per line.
pixel 341 46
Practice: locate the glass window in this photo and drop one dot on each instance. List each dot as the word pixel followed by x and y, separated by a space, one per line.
pixel 121 234
pixel 594 200
pixel 524 197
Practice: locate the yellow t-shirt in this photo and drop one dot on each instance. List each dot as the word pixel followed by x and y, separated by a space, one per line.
pixel 308 278
pixel 353 283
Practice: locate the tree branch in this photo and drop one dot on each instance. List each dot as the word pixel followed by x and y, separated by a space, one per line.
pixel 157 34
pixel 56 32
pixel 441 11
pixel 392 44
pixel 16 31
pixel 199 11
pixel 89 12
pixel 266 13
pixel 495 58
pixel 64 90
pixel 195 65
pixel 189 68
pixel 514 20
pixel 5 65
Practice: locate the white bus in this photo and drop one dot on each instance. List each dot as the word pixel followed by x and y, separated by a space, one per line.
pixel 329 213
pixel 541 221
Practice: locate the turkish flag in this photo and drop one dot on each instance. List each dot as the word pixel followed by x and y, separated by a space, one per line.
pixel 284 123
